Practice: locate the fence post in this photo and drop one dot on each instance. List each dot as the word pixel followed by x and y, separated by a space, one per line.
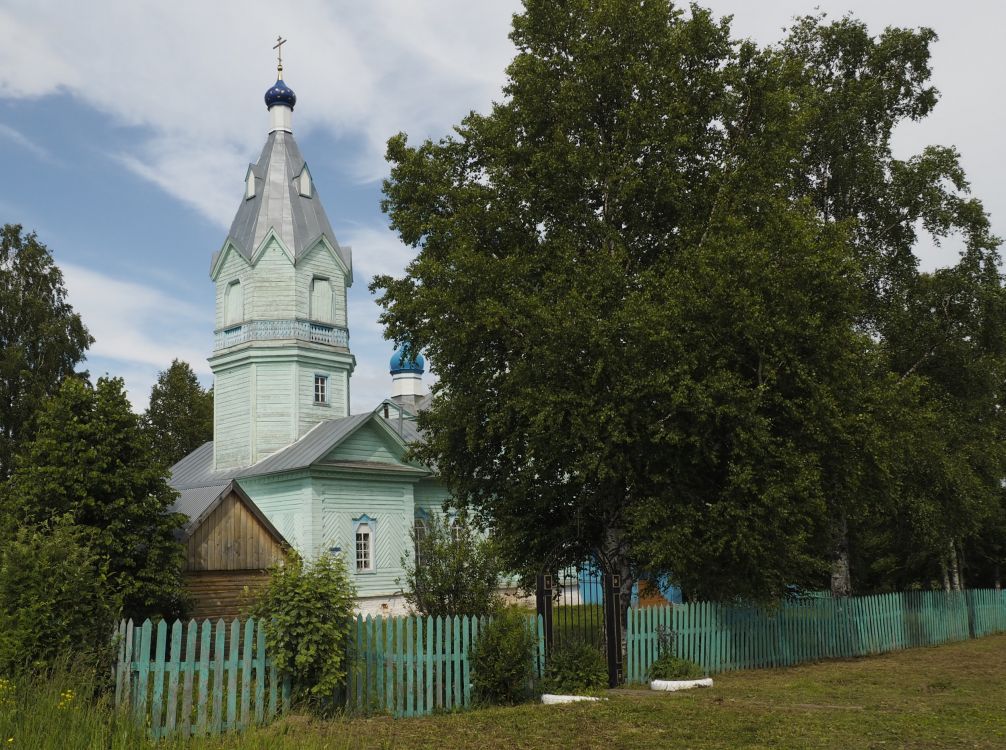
pixel 613 627
pixel 543 600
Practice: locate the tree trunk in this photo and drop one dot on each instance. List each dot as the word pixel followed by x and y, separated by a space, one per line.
pixel 841 576
pixel 617 562
pixel 945 573
pixel 955 568
pixel 997 577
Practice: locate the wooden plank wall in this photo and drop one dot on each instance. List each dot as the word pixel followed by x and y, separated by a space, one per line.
pixel 232 538
pixel 225 594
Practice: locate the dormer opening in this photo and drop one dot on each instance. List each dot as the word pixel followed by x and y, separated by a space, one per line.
pixel 322 299
pixel 250 184
pixel 233 303
pixel 304 184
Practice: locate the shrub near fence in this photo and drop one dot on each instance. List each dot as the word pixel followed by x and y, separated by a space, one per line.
pixel 722 637
pixel 411 666
pixel 199 678
pixel 204 680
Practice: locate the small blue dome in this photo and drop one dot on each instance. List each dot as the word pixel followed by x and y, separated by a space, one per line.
pixel 280 93
pixel 399 364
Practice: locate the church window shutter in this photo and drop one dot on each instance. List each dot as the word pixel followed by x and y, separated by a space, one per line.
pixel 321 300
pixel 233 303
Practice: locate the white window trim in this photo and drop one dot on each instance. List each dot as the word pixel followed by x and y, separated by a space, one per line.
pixel 327 401
pixel 371 524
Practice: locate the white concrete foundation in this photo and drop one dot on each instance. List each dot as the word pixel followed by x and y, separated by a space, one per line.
pixel 675 685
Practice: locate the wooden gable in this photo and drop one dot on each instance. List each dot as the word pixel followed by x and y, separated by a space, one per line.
pixel 233 536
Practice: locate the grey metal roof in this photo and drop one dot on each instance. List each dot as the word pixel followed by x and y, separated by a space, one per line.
pixel 198 502
pixel 406 427
pixel 298 221
pixel 194 502
pixel 195 479
pixel 318 441
pixel 196 470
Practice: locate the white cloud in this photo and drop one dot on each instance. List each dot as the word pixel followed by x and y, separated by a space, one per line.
pixel 191 75
pixel 376 251
pixel 137 329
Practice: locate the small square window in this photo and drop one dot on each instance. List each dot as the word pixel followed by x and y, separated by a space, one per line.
pixel 364 548
pixel 320 389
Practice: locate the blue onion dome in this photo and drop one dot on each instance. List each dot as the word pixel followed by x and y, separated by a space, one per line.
pixel 399 364
pixel 280 93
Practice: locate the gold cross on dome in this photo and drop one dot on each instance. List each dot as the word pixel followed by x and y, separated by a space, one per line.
pixel 280 41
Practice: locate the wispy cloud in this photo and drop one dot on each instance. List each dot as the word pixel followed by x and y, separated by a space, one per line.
pixel 20 140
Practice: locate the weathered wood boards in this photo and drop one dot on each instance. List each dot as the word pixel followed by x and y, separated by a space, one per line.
pixel 197 678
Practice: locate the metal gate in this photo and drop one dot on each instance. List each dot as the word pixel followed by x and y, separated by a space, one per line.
pixel 582 603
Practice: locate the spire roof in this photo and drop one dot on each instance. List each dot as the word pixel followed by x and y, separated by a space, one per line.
pixel 284 200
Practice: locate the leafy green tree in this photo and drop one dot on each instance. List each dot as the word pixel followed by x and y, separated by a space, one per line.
pixel 180 415
pixel 683 264
pixel 91 462
pixel 937 335
pixel 455 570
pixel 57 598
pixel 42 339
pixel 308 608
pixel 606 381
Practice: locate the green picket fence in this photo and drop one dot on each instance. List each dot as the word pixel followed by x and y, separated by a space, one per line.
pixel 723 637
pixel 195 679
pixel 411 666
pixel 199 678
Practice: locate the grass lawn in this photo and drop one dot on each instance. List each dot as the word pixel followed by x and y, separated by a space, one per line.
pixel 942 697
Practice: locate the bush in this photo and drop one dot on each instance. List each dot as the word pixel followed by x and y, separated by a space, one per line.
pixel 307 609
pixel 56 599
pixel 502 657
pixel 670 667
pixel 456 570
pixel 575 668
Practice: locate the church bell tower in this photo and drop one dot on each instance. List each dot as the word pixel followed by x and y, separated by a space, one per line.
pixel 281 361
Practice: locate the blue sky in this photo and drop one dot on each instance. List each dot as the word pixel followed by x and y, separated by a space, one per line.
pixel 126 128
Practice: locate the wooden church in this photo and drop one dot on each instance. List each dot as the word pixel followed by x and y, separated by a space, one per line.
pixel 289 467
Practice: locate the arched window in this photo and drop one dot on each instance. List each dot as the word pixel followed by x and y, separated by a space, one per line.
pixel 234 304
pixel 364 547
pixel 322 300
pixel 419 529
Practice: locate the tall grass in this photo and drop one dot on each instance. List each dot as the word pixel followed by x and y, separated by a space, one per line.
pixel 65 708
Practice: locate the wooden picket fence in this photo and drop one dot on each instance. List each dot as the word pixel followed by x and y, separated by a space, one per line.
pixel 204 678
pixel 722 637
pixel 200 680
pixel 411 666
